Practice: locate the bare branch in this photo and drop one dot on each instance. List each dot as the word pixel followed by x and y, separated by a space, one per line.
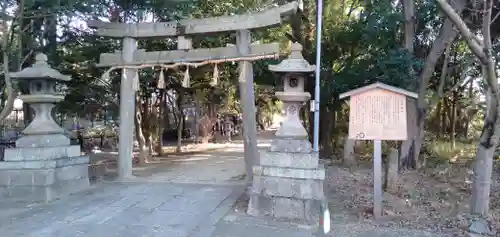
pixel 28 55
pixel 444 71
pixel 469 37
pixel 495 18
pixel 488 48
pixel 9 88
pixel 488 6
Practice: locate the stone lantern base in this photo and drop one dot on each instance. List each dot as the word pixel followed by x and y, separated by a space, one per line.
pixel 288 182
pixel 43 173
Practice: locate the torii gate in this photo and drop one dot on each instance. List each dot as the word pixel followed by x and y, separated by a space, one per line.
pixel 244 52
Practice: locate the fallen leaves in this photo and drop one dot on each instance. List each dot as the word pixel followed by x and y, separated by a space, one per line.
pixel 434 200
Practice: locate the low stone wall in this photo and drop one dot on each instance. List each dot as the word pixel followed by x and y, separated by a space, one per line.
pixel 43 179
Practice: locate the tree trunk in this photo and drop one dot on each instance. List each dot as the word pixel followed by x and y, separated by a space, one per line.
pixel 9 89
pixel 439 115
pixel 468 114
pixel 143 151
pixel 447 35
pixel 446 116
pixel 146 123
pixel 327 123
pixel 416 137
pixel 409 36
pixel 161 124
pixel 180 122
pixel 196 118
pixel 409 16
pixel 406 160
pixel 50 33
pixel 488 141
pixel 453 119
pixel 7 31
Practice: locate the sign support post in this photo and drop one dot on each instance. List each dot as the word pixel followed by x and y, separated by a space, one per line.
pixel 377 178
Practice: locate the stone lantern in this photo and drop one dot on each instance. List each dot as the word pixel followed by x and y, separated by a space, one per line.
pixel 41 79
pixel 288 181
pixel 43 165
pixel 293 71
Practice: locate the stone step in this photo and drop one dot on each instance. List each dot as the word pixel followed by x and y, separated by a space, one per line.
pixel 317 174
pixel 289 160
pixel 287 187
pixel 43 180
pixel 43 140
pixel 44 164
pixel 40 153
pixel 291 145
pixel 289 208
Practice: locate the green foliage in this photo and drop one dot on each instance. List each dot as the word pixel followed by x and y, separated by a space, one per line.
pixel 361 43
pixel 363 50
pixel 442 152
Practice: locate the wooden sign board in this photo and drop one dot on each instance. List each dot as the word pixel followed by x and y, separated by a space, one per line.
pixel 377 115
pixel 378 112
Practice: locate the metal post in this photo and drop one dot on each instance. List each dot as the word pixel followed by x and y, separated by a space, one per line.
pixel 319 26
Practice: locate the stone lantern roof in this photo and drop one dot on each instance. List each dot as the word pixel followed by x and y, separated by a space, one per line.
pixel 40 70
pixel 294 63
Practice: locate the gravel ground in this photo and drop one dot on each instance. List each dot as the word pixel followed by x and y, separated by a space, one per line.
pixel 430 203
pixel 435 200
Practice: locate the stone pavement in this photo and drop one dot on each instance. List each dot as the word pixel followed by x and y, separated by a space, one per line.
pixel 126 210
pixel 186 198
pixel 193 196
pixel 240 225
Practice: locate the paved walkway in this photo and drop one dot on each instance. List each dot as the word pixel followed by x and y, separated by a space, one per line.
pixel 132 209
pixel 240 225
pixel 187 198
pixel 190 196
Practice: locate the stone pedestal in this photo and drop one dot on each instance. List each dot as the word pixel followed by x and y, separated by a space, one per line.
pixel 288 183
pixel 43 173
pixel 39 170
pixel 43 167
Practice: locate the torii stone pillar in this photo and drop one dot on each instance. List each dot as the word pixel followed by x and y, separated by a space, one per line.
pixel 245 79
pixel 127 111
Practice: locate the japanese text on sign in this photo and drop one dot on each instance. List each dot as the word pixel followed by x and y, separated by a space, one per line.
pixel 378 115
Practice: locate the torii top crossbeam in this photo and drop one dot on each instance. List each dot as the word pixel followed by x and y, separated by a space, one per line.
pixel 254 20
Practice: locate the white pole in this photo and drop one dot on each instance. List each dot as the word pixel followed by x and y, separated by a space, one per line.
pixel 319 26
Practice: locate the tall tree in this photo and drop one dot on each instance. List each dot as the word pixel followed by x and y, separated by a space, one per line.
pixel 490 135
